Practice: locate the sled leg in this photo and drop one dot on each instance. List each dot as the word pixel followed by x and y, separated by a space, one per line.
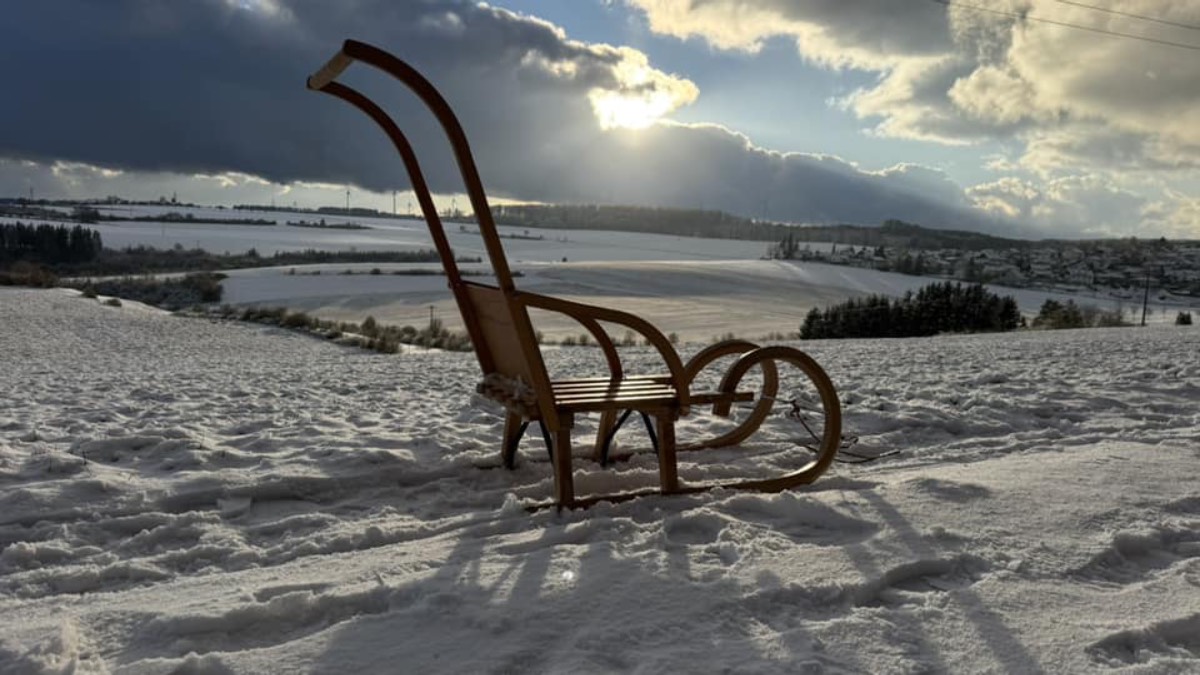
pixel 514 429
pixel 668 471
pixel 564 487
pixel 604 433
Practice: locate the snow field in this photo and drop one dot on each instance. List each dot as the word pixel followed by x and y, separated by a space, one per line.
pixel 182 495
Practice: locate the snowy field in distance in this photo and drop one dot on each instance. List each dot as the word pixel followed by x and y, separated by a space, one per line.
pixel 685 285
pixel 185 496
pixel 403 234
pixel 696 299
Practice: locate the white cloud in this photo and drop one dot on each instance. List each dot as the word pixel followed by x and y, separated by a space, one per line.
pixel 1176 215
pixel 76 172
pixel 958 75
pixel 1085 111
pixel 996 96
pixel 866 34
pixel 1072 206
pixel 912 101
pixel 642 94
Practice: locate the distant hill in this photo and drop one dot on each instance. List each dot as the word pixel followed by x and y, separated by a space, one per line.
pixel 721 225
pixel 679 222
pixel 900 233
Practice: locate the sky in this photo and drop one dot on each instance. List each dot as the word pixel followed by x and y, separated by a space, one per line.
pixel 1017 117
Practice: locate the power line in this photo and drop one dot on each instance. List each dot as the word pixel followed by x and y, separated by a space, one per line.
pixel 1025 17
pixel 1131 15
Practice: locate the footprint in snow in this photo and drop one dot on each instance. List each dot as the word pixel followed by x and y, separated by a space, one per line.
pixel 1135 556
pixel 1171 641
pixel 950 490
pixel 694 529
pixel 911 583
pixel 805 520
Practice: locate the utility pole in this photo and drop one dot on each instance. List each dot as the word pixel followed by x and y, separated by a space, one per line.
pixel 347 201
pixel 1145 298
pixel 393 202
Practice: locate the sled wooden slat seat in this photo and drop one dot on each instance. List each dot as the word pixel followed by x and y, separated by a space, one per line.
pixel 639 384
pixel 497 319
pixel 600 398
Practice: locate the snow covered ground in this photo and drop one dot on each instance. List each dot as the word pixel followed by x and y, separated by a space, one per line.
pixel 185 496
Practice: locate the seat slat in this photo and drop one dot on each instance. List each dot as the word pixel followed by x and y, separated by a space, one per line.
pixel 618 396
pixel 606 393
pixel 606 380
pixel 573 391
pixel 636 402
pixel 601 384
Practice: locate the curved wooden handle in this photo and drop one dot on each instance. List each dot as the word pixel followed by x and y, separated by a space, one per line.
pixel 330 71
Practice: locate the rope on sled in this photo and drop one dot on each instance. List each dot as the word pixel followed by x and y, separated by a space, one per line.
pixel 844 455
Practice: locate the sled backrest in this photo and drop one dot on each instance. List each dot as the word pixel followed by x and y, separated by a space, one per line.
pixel 497 323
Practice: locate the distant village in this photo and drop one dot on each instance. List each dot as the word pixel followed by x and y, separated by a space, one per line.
pixel 1123 268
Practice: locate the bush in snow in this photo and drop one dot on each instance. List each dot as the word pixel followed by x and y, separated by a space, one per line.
pixel 24 273
pixel 370 334
pixel 169 293
pixel 1055 315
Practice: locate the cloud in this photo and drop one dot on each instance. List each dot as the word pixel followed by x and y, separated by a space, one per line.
pixel 63 179
pixel 913 101
pixel 1072 104
pixel 1105 149
pixel 216 86
pixel 867 34
pixel 708 166
pixel 959 75
pixel 1088 206
pixel 1051 86
pixel 1177 215
pixel 215 89
pixel 642 96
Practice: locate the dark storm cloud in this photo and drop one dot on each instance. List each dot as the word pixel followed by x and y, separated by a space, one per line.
pixel 712 167
pixel 217 86
pixel 211 86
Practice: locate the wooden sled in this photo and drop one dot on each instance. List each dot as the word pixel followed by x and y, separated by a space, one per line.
pixel 497 319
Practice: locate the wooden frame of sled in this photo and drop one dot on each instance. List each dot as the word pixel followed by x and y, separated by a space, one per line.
pixel 497 320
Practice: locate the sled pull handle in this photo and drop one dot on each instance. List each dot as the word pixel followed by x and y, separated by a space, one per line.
pixel 330 71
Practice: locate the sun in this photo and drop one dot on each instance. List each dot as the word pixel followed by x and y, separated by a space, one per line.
pixel 620 110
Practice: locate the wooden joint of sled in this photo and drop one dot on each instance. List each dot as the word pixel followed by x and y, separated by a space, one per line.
pixel 497 320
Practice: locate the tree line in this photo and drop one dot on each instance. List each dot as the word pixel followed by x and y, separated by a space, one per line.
pixel 651 220
pixel 79 251
pixel 947 307
pixel 48 244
